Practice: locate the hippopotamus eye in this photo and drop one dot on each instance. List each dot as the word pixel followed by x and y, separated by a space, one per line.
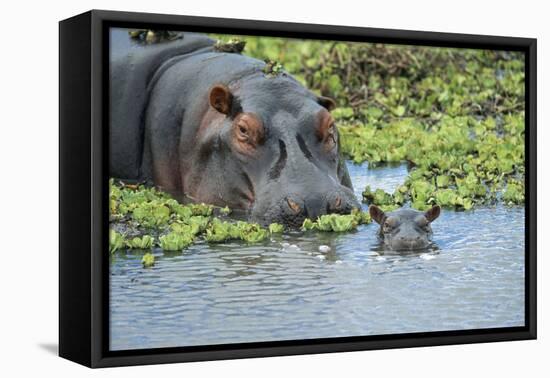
pixel 243 130
pixel 242 133
pixel 248 132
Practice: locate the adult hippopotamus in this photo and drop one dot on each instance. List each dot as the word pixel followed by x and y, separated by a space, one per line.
pixel 219 128
pixel 405 229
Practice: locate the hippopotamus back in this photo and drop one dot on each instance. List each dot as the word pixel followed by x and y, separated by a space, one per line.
pixel 134 68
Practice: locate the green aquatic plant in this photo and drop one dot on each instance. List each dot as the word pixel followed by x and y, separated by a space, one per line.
pixel 143 242
pixel 193 225
pixel 147 212
pixel 148 260
pixel 201 209
pixel 378 197
pixel 308 225
pixel 219 231
pixel 276 228
pixel 449 113
pixel 182 212
pixel 514 193
pixel 116 241
pixel 175 241
pixel 473 158
pixel 340 223
pixel 337 222
pixel 386 201
pixel 251 232
pixel 151 214
pixel 361 217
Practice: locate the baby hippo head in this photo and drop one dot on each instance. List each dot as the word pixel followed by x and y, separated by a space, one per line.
pixel 405 229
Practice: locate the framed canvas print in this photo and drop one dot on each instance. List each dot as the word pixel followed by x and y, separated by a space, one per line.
pixel 234 188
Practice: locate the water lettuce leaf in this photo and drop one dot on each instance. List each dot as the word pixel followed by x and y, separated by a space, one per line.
pixel 276 228
pixel 148 260
pixel 175 241
pixel 116 241
pixel 143 242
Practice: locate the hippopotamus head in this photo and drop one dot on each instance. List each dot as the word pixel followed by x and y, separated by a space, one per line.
pixel 405 229
pixel 272 149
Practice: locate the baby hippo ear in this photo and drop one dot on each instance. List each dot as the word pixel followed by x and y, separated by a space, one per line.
pixel 433 213
pixel 221 98
pixel 377 214
pixel 326 102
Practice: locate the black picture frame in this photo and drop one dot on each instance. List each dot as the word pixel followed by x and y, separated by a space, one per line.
pixel 83 181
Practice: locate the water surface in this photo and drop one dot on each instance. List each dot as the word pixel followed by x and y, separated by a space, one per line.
pixel 286 289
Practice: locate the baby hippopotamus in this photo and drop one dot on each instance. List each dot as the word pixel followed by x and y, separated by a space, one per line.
pixel 405 229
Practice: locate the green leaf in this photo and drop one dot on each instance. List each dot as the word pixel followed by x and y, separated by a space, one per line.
pixel 276 228
pixel 144 242
pixel 116 241
pixel 399 111
pixel 308 224
pixel 175 241
pixel 148 260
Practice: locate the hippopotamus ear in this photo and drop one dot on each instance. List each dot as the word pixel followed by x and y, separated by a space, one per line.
pixel 433 213
pixel 221 98
pixel 377 214
pixel 326 102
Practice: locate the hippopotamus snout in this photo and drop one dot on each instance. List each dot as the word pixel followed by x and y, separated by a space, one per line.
pixel 409 240
pixel 292 209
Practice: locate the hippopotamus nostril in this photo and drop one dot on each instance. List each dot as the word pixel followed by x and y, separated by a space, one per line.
pixel 293 205
pixel 338 202
pixel 334 205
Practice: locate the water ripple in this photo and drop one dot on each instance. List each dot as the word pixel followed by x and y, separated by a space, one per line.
pixel 244 293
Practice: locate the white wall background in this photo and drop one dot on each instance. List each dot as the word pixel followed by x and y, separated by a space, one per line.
pixel 29 186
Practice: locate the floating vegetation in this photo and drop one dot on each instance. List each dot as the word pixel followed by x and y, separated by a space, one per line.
pixel 148 260
pixel 175 241
pixel 276 228
pixel 457 163
pixel 456 116
pixel 144 218
pixel 252 232
pixel 219 232
pixel 144 242
pixel 514 193
pixel 386 201
pixel 151 214
pixel 116 241
pixel 337 222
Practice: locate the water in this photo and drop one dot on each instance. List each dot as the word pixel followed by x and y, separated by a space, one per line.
pixel 286 289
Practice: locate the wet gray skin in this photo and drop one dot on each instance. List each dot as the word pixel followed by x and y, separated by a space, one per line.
pixel 215 128
pixel 405 229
